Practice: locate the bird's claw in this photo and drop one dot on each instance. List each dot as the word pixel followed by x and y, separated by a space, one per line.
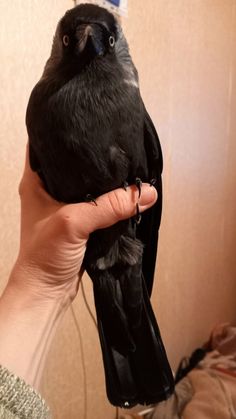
pixel 89 198
pixel 125 185
pixel 138 183
pixel 153 182
pixel 138 216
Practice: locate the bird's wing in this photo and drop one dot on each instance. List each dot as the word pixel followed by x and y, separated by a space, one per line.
pixel 149 226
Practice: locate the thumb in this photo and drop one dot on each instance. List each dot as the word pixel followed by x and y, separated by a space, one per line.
pixel 114 206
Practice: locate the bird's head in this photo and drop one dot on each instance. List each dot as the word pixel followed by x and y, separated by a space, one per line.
pixel 84 33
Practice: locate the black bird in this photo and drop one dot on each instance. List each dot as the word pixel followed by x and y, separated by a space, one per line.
pixel 89 133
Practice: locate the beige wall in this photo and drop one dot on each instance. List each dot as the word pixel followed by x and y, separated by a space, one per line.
pixel 185 51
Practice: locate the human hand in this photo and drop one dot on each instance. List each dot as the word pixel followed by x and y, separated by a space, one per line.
pixel 54 235
pixel 45 277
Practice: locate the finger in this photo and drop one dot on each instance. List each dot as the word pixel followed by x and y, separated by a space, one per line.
pixel 111 208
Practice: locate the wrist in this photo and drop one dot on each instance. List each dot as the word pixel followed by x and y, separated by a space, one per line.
pixel 38 287
pixel 27 326
pixel 21 295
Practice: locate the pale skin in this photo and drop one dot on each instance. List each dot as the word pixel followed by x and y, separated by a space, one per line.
pixel 45 278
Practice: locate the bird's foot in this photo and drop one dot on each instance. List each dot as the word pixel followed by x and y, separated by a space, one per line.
pixel 89 198
pixel 153 182
pixel 138 183
pixel 138 216
pixel 125 186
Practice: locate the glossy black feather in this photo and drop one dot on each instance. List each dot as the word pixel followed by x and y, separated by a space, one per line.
pixel 149 227
pixel 89 133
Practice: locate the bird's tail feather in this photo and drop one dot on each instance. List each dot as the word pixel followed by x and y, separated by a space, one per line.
pixel 110 309
pixel 141 375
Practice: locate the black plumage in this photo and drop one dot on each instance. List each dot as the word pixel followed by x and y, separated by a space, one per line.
pixel 90 133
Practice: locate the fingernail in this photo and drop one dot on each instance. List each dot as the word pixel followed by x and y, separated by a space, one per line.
pixel 148 195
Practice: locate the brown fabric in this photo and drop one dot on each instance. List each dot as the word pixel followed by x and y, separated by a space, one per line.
pixel 214 381
pixel 209 400
pixel 217 362
pixel 223 338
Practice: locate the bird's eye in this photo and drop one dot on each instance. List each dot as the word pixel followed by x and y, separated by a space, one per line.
pixel 112 41
pixel 66 40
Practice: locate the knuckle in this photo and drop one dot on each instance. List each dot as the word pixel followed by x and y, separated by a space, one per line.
pixel 64 222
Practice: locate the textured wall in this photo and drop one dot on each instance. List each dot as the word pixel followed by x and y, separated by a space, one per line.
pixel 186 56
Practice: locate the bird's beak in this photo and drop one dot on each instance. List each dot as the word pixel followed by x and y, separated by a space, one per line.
pixel 87 34
pixel 85 31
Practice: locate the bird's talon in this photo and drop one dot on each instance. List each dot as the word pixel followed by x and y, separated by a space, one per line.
pixel 153 182
pixel 138 183
pixel 125 185
pixel 89 198
pixel 138 215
